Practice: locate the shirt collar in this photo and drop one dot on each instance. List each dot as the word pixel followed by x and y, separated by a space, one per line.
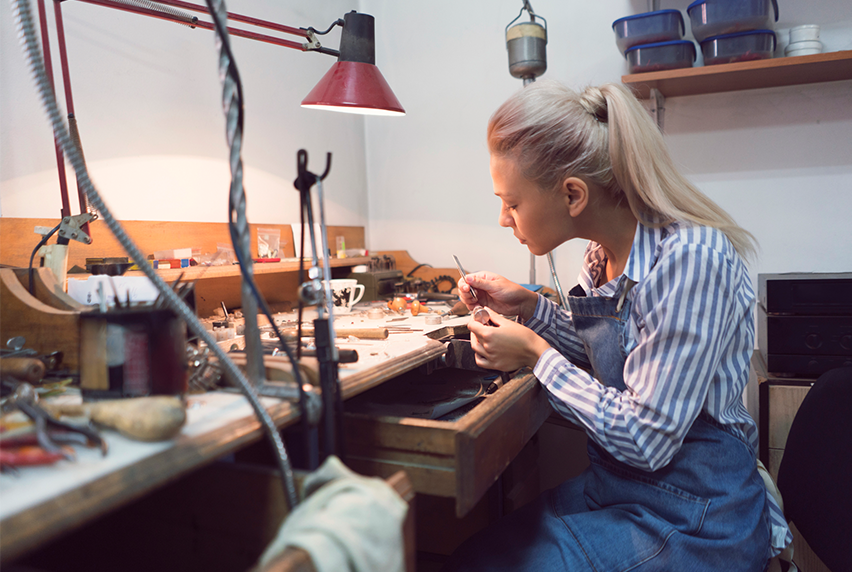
pixel 644 252
pixel 643 255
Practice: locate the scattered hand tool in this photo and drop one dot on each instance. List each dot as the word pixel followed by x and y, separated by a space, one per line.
pixel 23 368
pixel 155 418
pixel 363 333
pixel 459 309
pixel 26 399
pixel 463 275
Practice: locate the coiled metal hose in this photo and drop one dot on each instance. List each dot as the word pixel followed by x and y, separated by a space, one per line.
pixel 27 35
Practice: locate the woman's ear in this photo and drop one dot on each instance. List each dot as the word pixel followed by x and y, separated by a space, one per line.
pixel 575 194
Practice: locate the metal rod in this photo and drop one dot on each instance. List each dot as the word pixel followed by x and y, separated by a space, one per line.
pixel 239 18
pixel 562 301
pixel 532 268
pixel 209 26
pixel 60 155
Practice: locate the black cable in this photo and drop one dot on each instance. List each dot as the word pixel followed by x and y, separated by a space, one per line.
pixel 247 278
pixel 339 22
pixel 41 243
pixel 418 267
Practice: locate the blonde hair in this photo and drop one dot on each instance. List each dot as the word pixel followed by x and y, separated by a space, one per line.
pixel 603 136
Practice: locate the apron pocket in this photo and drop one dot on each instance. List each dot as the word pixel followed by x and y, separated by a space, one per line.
pixel 631 516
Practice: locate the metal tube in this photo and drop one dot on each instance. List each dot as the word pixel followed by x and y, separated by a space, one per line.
pixel 562 301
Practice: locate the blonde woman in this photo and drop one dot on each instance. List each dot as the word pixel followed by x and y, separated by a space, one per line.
pixel 650 358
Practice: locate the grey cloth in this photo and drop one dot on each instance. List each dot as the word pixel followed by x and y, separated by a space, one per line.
pixel 346 522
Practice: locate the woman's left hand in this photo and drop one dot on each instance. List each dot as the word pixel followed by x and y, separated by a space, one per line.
pixel 505 345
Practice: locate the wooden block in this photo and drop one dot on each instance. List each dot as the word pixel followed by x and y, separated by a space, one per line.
pixel 94 373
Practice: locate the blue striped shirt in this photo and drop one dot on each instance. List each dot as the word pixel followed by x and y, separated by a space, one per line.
pixel 689 339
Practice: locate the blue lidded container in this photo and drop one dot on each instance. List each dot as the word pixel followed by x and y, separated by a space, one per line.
pixel 660 56
pixel 720 17
pixel 648 28
pixel 739 47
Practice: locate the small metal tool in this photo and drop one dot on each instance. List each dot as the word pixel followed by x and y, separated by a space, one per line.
pixel 462 272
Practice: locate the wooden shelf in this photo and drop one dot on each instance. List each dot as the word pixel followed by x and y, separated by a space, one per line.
pixel 194 273
pixel 833 66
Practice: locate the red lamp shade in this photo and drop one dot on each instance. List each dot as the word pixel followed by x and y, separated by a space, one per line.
pixel 354 87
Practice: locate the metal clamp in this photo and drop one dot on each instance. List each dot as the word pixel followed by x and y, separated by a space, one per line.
pixel 71 227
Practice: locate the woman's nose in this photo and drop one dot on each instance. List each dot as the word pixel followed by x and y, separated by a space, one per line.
pixel 505 219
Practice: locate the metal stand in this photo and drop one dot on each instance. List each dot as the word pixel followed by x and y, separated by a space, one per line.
pixel 311 292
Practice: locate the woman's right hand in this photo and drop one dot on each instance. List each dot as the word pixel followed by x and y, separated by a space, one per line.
pixel 497 293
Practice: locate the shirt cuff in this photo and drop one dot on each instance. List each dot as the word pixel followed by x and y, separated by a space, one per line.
pixel 547 365
pixel 542 316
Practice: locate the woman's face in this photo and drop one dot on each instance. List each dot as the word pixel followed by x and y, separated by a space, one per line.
pixel 539 219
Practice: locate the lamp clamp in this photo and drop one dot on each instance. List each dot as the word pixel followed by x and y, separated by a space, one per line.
pixel 71 228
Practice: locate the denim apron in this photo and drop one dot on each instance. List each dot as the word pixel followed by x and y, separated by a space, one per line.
pixel 702 511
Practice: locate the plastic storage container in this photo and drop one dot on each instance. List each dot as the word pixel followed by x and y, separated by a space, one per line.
pixel 660 56
pixel 648 28
pixel 721 17
pixel 741 47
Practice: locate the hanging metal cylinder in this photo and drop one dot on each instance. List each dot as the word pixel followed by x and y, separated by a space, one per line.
pixel 526 43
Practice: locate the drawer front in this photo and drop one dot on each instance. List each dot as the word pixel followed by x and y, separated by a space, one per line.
pixel 459 459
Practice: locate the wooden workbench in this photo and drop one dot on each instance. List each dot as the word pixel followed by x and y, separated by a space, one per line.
pixel 40 503
pixel 459 459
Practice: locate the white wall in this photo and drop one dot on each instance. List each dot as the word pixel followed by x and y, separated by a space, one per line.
pixel 779 160
pixel 147 97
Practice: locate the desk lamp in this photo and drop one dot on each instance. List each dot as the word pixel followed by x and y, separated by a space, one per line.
pixel 359 35
pixel 354 84
pixel 526 43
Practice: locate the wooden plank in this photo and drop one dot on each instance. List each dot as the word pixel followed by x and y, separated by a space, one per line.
pixel 784 401
pixel 25 530
pixel 45 328
pixel 94 374
pixel 494 436
pixel 402 457
pixel 352 235
pixel 776 72
pixel 47 289
pixel 17 238
pixel 774 458
pixel 402 433
pixel 425 479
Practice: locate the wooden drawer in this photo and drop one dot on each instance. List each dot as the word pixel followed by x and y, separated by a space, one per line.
pixel 460 458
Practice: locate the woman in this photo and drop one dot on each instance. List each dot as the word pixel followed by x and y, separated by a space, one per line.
pixel 650 358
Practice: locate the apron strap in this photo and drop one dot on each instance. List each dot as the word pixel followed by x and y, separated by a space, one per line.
pixel 628 284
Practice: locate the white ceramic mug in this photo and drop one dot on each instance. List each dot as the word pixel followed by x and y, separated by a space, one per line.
pixel 343 291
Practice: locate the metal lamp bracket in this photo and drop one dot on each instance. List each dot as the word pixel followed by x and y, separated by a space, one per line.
pixel 658 107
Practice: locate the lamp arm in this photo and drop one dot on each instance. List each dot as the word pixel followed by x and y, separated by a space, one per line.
pixel 174 16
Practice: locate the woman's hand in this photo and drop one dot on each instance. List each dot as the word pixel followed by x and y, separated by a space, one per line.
pixel 505 345
pixel 498 293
